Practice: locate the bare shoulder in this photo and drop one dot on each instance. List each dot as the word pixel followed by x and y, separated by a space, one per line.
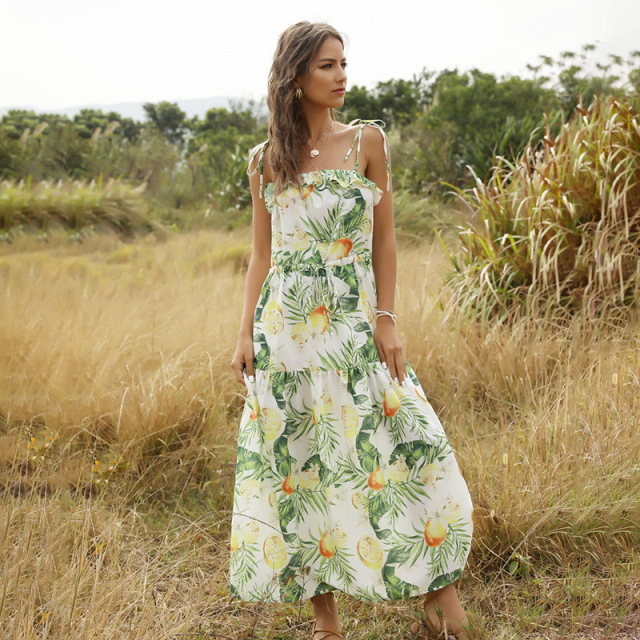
pixel 372 141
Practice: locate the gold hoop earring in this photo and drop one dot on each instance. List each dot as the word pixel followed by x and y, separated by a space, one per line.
pixel 298 93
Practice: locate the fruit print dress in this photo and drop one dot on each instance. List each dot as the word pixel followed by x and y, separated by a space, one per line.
pixel 345 479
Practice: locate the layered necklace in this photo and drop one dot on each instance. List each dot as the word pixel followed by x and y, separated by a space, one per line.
pixel 314 153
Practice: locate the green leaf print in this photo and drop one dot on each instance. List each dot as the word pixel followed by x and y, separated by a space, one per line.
pixel 369 351
pixel 323 471
pixel 262 356
pixel 286 513
pixel 278 384
pixel 411 452
pixel 445 579
pixel 249 461
pixel 323 587
pixel 284 461
pixel 243 557
pixel 378 505
pixel 291 591
pixel 265 292
pixel 368 455
pixel 396 587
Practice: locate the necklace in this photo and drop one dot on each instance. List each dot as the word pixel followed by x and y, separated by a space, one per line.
pixel 314 152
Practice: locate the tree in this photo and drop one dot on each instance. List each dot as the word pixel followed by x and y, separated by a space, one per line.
pixel 169 120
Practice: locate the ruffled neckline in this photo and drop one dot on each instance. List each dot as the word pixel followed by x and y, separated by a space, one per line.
pixel 337 175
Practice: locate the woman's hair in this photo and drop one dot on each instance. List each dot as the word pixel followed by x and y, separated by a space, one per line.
pixel 297 46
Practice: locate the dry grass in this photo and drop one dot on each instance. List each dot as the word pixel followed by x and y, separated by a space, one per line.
pixel 120 353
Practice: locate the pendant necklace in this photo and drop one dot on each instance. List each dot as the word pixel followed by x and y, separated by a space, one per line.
pixel 314 152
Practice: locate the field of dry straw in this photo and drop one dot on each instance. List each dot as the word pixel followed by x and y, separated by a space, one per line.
pixel 118 418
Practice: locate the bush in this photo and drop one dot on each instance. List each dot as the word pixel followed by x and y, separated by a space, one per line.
pixel 559 229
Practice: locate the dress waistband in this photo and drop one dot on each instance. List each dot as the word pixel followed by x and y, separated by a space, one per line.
pixel 320 269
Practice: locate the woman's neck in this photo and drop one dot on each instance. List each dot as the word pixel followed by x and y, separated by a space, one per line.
pixel 317 121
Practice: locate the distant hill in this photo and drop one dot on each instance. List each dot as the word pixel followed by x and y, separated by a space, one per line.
pixel 195 107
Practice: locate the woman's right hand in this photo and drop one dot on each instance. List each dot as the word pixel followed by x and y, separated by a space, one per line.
pixel 243 357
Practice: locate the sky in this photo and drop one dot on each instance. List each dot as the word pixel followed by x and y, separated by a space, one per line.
pixel 61 53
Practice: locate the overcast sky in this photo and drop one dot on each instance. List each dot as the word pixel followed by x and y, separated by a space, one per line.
pixel 59 53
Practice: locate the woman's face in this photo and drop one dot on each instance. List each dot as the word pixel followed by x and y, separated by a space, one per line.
pixel 325 83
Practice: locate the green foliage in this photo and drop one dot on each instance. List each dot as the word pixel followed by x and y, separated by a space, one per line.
pixel 73 205
pixel 168 119
pixel 558 231
pixel 444 129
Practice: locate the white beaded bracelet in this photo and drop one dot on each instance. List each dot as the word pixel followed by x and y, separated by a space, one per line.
pixel 384 312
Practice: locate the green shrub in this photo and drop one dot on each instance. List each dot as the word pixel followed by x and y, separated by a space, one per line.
pixel 558 230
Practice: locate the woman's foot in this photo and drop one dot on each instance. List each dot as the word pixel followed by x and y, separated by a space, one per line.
pixel 327 625
pixel 444 616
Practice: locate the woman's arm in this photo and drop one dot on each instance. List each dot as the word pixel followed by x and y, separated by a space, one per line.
pixel 384 256
pixel 256 274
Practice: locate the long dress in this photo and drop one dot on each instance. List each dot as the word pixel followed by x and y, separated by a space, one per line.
pixel 345 479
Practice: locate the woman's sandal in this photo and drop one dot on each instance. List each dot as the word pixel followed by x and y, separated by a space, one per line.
pixel 325 631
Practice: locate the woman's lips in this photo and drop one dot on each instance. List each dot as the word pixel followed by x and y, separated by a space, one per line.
pixel 338 90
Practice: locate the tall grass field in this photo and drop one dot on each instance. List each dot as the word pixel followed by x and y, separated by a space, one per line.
pixel 119 410
pixel 118 422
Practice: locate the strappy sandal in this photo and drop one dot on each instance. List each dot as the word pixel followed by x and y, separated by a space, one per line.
pixel 325 631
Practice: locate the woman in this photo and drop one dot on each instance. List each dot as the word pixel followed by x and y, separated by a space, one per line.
pixel 344 479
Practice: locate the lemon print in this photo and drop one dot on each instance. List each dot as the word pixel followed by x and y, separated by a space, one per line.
pixel 299 240
pixel 300 334
pixel 310 478
pixel 435 531
pixel 318 321
pixel 359 501
pixel 289 484
pixel 350 420
pixel 340 248
pixel 323 249
pixel 391 402
pixel 451 511
pixel 272 422
pixel 322 407
pixel 398 471
pixel 274 551
pixel 326 546
pixel 248 489
pixel 339 536
pixel 250 532
pixel 253 403
pixel 273 500
pixel 365 226
pixel 370 552
pixel 276 240
pixel 430 474
pixel 305 192
pixel 366 307
pixel 377 479
pixel 399 389
pixel 272 319
pixel 235 542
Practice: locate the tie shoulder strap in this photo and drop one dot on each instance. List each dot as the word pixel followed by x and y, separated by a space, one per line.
pixel 379 125
pixel 260 166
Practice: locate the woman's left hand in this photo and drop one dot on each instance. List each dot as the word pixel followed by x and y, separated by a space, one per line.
pixel 390 348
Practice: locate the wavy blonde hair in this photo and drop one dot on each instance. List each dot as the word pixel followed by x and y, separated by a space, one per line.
pixel 297 46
